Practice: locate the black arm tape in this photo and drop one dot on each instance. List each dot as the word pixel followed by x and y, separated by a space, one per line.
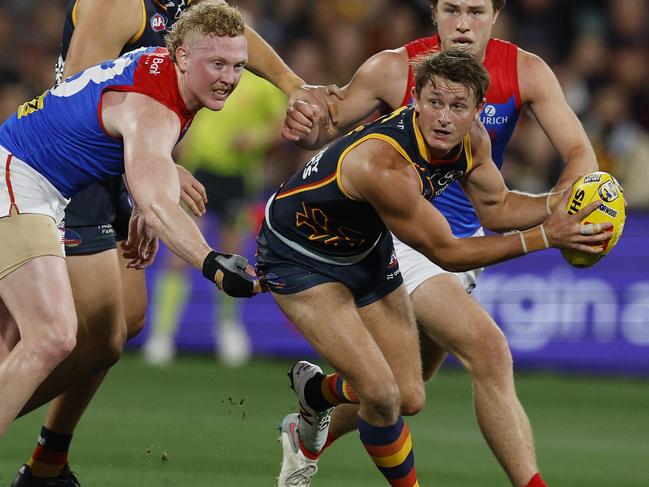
pixel 236 282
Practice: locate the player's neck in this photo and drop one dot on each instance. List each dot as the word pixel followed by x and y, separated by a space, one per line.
pixel 443 155
pixel 191 102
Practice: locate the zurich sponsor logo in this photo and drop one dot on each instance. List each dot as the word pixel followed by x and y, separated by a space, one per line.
pixel 158 22
pixel 490 118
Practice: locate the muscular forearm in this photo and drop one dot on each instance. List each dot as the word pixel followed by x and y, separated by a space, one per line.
pixel 264 61
pixel 177 230
pixel 519 211
pixel 464 254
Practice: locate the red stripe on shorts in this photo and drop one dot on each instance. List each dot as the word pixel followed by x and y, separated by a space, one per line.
pixel 8 181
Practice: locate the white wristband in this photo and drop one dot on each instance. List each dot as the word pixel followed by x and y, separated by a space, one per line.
pixel 520 234
pixel 547 204
pixel 545 237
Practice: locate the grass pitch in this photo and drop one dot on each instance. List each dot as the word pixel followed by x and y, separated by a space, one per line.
pixel 197 424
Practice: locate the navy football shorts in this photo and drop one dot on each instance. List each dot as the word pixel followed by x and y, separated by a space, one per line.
pixel 97 218
pixel 288 272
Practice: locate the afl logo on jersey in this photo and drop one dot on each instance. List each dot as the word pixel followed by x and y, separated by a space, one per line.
pixel 158 23
pixel 490 110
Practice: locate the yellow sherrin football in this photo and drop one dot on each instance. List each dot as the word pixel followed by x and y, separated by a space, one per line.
pixel 598 185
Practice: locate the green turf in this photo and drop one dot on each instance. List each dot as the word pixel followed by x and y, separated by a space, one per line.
pixel 217 427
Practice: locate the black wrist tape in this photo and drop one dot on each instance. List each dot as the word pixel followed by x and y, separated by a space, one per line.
pixel 236 282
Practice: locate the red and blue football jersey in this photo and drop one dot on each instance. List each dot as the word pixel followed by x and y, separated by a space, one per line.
pixel 61 134
pixel 499 117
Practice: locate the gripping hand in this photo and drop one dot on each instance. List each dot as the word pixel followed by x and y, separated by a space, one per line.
pixel 231 273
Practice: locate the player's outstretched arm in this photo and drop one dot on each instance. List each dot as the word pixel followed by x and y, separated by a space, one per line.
pixel 541 91
pixel 265 62
pixel 101 31
pixel 150 131
pixel 500 209
pixel 376 173
pixel 378 84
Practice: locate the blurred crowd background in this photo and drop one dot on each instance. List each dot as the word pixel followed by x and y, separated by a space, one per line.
pixel 599 49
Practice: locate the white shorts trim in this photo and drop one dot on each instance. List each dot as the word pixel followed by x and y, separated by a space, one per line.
pixel 416 268
pixel 32 192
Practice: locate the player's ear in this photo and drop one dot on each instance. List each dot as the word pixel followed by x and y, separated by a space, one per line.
pixel 181 58
pixel 480 108
pixel 414 98
pixel 496 14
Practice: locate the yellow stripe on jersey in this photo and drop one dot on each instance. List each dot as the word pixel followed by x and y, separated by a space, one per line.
pixel 74 13
pixel 394 114
pixel 421 144
pixel 139 33
pixel 308 187
pixel 383 137
pixel 467 153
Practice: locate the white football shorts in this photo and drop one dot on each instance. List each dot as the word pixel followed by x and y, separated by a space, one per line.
pixel 27 190
pixel 415 268
pixel 26 196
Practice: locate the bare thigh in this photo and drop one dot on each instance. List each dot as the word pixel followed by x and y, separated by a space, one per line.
pixel 328 318
pixel 38 296
pixel 134 297
pixel 455 321
pixel 98 298
pixel 391 323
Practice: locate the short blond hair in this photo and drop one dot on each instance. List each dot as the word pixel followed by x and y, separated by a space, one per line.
pixel 207 17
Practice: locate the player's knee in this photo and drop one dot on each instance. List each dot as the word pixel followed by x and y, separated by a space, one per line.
pixel 102 346
pixel 62 345
pixel 383 400
pixel 412 401
pixel 493 360
pixel 53 346
pixel 113 350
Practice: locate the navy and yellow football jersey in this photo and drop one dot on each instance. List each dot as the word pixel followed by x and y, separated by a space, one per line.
pixel 157 18
pixel 313 214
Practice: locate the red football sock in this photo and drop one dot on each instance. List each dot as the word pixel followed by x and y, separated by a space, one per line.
pixel 536 481
pixel 314 456
pixel 51 453
pixel 330 439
